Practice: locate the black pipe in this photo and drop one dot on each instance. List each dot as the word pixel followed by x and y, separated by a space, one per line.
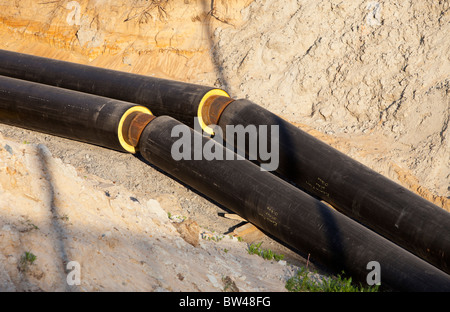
pixel 354 189
pixel 289 214
pixel 361 193
pixel 66 113
pixel 164 97
pixel 262 198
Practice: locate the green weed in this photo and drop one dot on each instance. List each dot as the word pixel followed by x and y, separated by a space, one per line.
pixel 304 282
pixel 266 254
pixel 27 259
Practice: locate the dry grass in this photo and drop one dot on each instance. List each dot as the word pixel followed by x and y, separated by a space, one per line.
pixel 144 11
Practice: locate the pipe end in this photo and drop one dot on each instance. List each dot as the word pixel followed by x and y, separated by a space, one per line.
pixel 131 126
pixel 208 99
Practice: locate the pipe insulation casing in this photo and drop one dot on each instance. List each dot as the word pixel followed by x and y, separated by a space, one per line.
pixel 354 189
pixel 162 96
pixel 287 213
pixel 66 113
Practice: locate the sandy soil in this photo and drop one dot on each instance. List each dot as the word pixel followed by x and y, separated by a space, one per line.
pixel 369 78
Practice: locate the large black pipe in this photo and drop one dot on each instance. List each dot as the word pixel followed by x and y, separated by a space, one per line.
pixel 262 198
pixel 164 97
pixel 354 189
pixel 66 113
pixel 289 214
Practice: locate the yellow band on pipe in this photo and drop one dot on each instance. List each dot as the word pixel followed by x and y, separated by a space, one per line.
pixel 137 108
pixel 205 127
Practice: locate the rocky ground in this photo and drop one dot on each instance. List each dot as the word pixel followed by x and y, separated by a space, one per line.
pixel 371 78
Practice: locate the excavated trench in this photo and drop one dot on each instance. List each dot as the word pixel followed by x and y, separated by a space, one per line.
pixel 194 41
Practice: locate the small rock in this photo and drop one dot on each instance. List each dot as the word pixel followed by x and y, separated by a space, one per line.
pixel 180 276
pixel 189 231
pixel 9 149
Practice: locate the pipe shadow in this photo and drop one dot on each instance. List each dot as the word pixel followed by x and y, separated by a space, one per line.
pixel 209 7
pixel 44 157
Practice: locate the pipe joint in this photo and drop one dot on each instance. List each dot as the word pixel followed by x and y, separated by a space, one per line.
pixel 131 126
pixel 134 126
pixel 202 113
pixel 213 108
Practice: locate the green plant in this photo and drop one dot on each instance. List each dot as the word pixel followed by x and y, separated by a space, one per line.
pixel 27 259
pixel 303 282
pixel 266 254
pixel 254 249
